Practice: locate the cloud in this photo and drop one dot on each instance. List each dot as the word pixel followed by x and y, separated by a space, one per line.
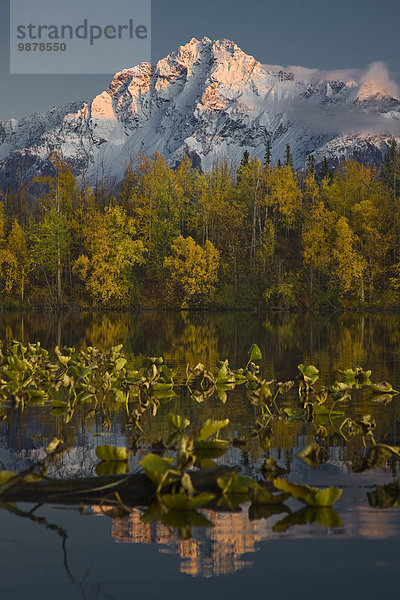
pixel 376 74
pixel 335 119
pixel 316 75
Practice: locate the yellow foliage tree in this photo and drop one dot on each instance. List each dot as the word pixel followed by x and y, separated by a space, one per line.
pixel 111 253
pixel 193 272
pixel 285 196
pixel 347 268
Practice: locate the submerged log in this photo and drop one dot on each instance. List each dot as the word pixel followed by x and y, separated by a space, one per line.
pixel 134 489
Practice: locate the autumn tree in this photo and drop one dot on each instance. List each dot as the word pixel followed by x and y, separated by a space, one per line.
pixel 317 243
pixel 18 248
pixel 192 272
pixel 112 251
pixel 347 267
pixel 285 197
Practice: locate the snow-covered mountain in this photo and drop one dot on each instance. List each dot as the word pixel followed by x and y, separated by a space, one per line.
pixel 208 100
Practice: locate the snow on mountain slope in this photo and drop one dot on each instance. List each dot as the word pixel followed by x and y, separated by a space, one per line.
pixel 208 100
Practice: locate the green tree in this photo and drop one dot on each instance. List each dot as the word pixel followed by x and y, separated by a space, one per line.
pixel 243 164
pixel 288 157
pixel 325 172
pixel 268 152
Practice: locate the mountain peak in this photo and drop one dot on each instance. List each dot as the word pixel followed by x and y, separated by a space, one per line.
pixel 210 100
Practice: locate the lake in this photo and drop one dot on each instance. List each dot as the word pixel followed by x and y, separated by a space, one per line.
pixel 56 551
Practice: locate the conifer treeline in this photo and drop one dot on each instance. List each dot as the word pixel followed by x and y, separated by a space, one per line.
pixel 260 236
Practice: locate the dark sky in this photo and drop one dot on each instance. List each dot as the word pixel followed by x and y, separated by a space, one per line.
pixel 323 34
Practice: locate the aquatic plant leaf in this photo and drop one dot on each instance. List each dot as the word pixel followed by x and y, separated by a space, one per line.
pixel 161 387
pixel 167 373
pixel 265 511
pixel 153 513
pixel 37 397
pixel 54 445
pixel 221 389
pixel 262 495
pixel 209 448
pixel 155 360
pixel 293 415
pixel 240 377
pixel 367 424
pixel 385 496
pixel 6 475
pixel 62 358
pixel 382 398
pixel 285 387
pixel 384 387
pixel 270 469
pixel 111 453
pixel 207 463
pixel 311 496
pixel 255 353
pixel 120 363
pixel 309 372
pixel 177 422
pixel 235 484
pixel 211 427
pixel 156 467
pixel 314 455
pixel 198 369
pixel 121 396
pixel 324 516
pixel 164 395
pixel 118 512
pixel 265 392
pixel 181 518
pixel 322 411
pixel 182 502
pixel 106 468
pixel 185 456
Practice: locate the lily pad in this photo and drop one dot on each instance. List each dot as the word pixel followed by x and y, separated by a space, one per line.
pixel 209 428
pixel 324 516
pixel 111 453
pixel 182 502
pixel 312 496
pixel 156 467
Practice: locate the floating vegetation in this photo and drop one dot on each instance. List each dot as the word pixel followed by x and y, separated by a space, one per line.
pixel 180 474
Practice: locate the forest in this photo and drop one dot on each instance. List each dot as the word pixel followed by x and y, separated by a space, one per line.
pixel 259 236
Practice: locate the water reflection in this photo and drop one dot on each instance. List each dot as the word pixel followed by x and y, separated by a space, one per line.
pixel 328 341
pixel 331 341
pixel 227 546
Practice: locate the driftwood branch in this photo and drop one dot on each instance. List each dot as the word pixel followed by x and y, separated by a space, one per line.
pixel 134 490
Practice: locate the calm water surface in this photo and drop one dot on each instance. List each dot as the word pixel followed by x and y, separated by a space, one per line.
pixel 69 554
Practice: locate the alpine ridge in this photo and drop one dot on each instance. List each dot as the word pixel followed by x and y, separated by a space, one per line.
pixel 208 100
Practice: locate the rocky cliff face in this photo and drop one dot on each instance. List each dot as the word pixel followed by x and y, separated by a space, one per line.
pixel 208 100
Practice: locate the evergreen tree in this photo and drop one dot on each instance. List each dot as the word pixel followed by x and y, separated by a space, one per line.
pixel 245 160
pixel 267 155
pixel 288 157
pixel 243 163
pixel 310 168
pixel 391 169
pixel 324 170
